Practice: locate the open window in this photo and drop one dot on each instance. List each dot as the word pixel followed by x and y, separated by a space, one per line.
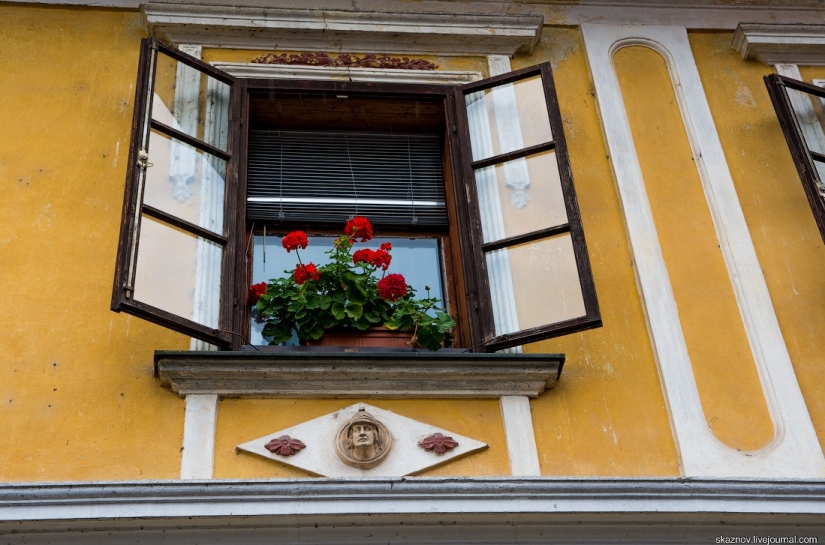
pixel 799 107
pixel 476 178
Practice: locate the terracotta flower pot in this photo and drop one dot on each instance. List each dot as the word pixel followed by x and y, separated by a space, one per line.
pixel 374 337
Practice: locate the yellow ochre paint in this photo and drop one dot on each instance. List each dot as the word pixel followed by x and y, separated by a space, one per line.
pixel 607 415
pixel 77 397
pixel 726 377
pixel 787 241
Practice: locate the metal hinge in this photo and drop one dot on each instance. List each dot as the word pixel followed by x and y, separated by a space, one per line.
pixel 143 159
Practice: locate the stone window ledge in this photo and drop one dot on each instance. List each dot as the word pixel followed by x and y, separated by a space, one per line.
pixel 337 374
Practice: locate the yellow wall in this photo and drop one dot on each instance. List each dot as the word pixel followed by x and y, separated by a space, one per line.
pixel 787 241
pixel 607 415
pixel 78 397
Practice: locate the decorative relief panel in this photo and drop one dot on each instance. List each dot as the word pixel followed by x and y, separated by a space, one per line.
pixel 363 441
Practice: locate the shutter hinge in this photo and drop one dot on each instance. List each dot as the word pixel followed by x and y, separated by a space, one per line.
pixel 143 159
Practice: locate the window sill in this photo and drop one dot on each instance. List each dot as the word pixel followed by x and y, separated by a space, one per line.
pixel 337 374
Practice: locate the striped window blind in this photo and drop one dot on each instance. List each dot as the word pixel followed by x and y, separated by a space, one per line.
pixel 327 177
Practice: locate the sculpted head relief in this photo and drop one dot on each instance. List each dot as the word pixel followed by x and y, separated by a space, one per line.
pixel 363 442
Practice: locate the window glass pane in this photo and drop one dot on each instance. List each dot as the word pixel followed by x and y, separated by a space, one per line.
pixel 190 101
pixel 507 118
pixel 810 113
pixel 520 196
pixel 185 182
pixel 534 284
pixel 178 272
pixel 418 260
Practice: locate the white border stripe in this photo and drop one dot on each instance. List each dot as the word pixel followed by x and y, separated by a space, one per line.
pixel 795 450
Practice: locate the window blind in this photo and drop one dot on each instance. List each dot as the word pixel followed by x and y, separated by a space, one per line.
pixel 313 177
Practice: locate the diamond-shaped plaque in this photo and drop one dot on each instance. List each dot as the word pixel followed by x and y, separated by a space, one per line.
pixel 408 451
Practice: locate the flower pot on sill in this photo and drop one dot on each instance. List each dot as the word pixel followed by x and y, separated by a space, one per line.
pixel 374 337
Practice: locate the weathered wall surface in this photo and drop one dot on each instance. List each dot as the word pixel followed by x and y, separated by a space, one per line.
pixel 787 242
pixel 77 397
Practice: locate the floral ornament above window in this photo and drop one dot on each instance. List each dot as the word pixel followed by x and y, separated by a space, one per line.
pixel 349 292
pixel 345 59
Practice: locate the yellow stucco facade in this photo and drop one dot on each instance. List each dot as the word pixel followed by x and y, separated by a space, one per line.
pixel 78 399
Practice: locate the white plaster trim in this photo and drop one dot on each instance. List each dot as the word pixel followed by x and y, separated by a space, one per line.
pixel 342 30
pixel 795 450
pixel 698 14
pixel 408 510
pixel 777 43
pixel 518 433
pixel 198 453
pixel 355 74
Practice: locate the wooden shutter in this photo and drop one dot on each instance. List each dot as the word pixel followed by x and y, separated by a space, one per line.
pixel 176 252
pixel 530 260
pixel 799 106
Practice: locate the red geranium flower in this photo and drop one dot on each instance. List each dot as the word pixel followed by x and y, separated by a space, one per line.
pixel 295 240
pixel 359 226
pixel 305 272
pixel 386 246
pixel 381 258
pixel 362 256
pixel 392 287
pixel 255 292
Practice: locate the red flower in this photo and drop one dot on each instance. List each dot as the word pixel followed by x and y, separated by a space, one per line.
pixel 255 292
pixel 381 259
pixel 376 258
pixel 362 256
pixel 387 246
pixel 392 287
pixel 305 272
pixel 295 240
pixel 359 226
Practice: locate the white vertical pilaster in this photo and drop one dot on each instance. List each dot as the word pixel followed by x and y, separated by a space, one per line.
pixel 198 455
pixel 518 433
pixel 794 451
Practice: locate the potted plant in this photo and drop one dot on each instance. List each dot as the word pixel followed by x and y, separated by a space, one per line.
pixel 352 293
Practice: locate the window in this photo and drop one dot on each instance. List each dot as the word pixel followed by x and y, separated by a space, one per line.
pixel 799 107
pixel 197 198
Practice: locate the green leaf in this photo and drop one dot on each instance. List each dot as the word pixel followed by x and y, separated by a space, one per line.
pixel 316 332
pixel 354 310
pixel 338 310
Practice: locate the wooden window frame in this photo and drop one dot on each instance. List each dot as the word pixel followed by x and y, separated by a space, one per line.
pixel 468 292
pixel 484 328
pixel 802 156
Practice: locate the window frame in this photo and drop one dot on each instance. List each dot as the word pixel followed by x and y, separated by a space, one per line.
pixel 485 327
pixel 803 157
pixel 133 207
pixel 472 306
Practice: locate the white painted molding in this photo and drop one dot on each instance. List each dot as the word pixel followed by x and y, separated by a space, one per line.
pixel 342 30
pixel 355 74
pixel 409 510
pixel 794 450
pixel 322 374
pixel 518 433
pixel 198 453
pixel 694 14
pixel 777 43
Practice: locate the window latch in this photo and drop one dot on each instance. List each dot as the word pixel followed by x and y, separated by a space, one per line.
pixel 143 159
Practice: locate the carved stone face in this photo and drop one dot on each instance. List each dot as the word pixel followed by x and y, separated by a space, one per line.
pixel 363 435
pixel 363 442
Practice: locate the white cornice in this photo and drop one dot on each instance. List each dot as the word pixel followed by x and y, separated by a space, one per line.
pixel 342 30
pixel 692 14
pixel 781 44
pixel 420 510
pixel 355 74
